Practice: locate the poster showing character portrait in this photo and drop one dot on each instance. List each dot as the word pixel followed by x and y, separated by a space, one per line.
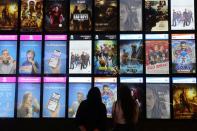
pixel 8 49
pixel 185 99
pixel 182 15
pixel 105 57
pixel 8 15
pixel 130 15
pixel 55 18
pixel 131 56
pixel 106 15
pixel 30 54
pixel 135 84
pixel 156 15
pixel 78 90
pixel 31 15
pixel 183 56
pixel 108 89
pixel 55 54
pixel 158 101
pixel 80 60
pixel 54 97
pixel 80 15
pixel 7 96
pixel 157 57
pixel 28 103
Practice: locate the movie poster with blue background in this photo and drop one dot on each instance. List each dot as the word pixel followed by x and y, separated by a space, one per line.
pixel 54 85
pixel 8 57
pixel 55 54
pixel 78 90
pixel 7 96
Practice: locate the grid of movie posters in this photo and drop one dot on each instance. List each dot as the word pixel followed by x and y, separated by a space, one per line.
pixel 157 54
pixel 183 53
pixel 30 54
pixel 182 15
pixel 31 15
pixel 28 103
pixel 108 89
pixel 105 15
pixel 157 98
pixel 7 96
pixel 130 15
pixel 9 14
pixel 80 15
pixel 156 15
pixel 184 98
pixel 8 56
pixel 78 90
pixel 105 54
pixel 80 54
pixel 135 84
pixel 55 54
pixel 131 54
pixel 55 18
pixel 54 97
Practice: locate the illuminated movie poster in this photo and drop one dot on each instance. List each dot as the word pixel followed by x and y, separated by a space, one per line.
pixel 183 53
pixel 184 98
pixel 182 15
pixel 31 15
pixel 105 57
pixel 157 54
pixel 8 54
pixel 156 15
pixel 157 98
pixel 9 14
pixel 106 15
pixel 130 15
pixel 108 89
pixel 135 84
pixel 80 15
pixel 80 54
pixel 55 18
pixel 131 54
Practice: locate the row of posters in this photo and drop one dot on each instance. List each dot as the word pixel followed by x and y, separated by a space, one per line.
pixel 154 100
pixel 105 15
pixel 103 55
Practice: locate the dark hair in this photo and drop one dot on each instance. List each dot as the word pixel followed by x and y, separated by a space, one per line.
pixel 127 103
pixel 94 96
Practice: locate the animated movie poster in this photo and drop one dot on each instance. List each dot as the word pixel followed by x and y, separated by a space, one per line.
pixel 78 90
pixel 157 56
pixel 80 15
pixel 9 14
pixel 108 89
pixel 80 54
pixel 183 56
pixel 54 97
pixel 105 57
pixel 55 54
pixel 30 54
pixel 131 54
pixel 31 15
pixel 7 96
pixel 185 98
pixel 130 15
pixel 157 99
pixel 28 104
pixel 135 84
pixel 106 15
pixel 182 15
pixel 156 15
pixel 55 18
pixel 8 49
